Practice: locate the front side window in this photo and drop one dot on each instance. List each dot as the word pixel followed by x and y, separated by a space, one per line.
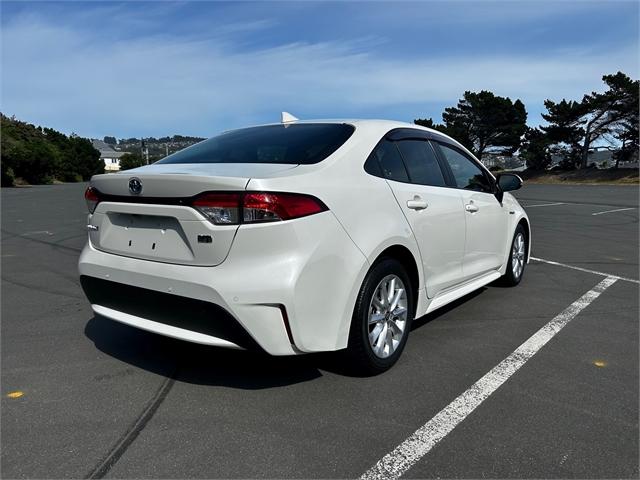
pixel 466 173
pixel 302 143
pixel 421 163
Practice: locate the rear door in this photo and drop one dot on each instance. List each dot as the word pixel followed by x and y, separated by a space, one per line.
pixel 434 212
pixel 486 219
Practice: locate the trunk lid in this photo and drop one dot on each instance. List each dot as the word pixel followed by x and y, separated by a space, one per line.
pixel 157 224
pixel 185 180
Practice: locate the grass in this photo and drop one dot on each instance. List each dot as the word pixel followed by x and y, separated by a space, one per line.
pixel 620 176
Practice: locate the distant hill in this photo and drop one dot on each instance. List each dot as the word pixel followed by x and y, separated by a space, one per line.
pixel 157 147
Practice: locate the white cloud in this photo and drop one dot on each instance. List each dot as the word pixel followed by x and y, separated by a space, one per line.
pixel 59 76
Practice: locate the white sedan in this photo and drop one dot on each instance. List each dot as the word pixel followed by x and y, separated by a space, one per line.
pixel 303 236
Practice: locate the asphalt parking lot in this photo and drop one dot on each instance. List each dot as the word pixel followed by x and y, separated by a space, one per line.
pixel 100 399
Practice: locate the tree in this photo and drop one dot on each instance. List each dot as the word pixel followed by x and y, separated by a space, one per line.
pixel 110 140
pixel 608 116
pixel 85 159
pixel 603 112
pixel 627 135
pixel 626 130
pixel 535 149
pixel 564 131
pixel 429 123
pixel 38 155
pixel 26 153
pixel 486 122
pixel 425 122
pixel 131 160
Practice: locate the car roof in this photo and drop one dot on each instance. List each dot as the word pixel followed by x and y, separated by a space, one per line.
pixel 362 123
pixel 374 127
pixel 378 125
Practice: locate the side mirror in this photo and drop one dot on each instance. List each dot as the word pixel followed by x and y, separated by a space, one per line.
pixel 509 182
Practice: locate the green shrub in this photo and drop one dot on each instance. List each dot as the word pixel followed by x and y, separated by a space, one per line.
pixel 131 160
pixel 38 155
pixel 8 177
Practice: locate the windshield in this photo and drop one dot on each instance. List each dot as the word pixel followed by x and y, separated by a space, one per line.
pixel 303 143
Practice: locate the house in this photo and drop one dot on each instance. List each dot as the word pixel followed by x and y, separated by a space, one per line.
pixel 109 155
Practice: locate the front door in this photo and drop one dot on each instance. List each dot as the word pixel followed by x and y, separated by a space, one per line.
pixel 486 218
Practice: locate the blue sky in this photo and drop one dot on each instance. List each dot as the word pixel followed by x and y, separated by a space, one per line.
pixel 159 68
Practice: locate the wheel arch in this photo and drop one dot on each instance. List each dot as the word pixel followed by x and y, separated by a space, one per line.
pixel 407 259
pixel 524 221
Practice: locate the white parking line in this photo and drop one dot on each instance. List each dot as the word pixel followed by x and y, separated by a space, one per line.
pixel 564 203
pixel 611 211
pixel 544 205
pixel 580 269
pixel 396 463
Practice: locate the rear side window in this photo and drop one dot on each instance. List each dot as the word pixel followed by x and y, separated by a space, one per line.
pixel 301 143
pixel 466 173
pixel 421 162
pixel 385 161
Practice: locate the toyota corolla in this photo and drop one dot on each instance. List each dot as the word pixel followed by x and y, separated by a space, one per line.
pixel 302 236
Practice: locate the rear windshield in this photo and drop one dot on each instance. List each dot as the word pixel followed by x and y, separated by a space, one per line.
pixel 303 143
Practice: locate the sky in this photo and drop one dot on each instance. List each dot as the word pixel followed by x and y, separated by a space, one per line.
pixel 137 68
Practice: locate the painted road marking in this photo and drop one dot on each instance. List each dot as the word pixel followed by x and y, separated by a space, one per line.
pixel 16 394
pixel 544 205
pixel 37 232
pixel 590 204
pixel 397 462
pixel 580 269
pixel 611 211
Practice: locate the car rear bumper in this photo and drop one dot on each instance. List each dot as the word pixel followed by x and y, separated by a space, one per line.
pixel 286 288
pixel 172 315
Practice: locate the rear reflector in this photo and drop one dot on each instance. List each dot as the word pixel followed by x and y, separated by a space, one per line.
pixel 256 207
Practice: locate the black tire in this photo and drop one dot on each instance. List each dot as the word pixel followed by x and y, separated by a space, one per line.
pixel 511 278
pixel 361 356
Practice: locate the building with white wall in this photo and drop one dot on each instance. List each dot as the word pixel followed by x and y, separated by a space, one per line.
pixel 109 155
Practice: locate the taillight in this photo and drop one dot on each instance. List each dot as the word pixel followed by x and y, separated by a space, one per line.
pixel 92 196
pixel 255 207
pixel 270 207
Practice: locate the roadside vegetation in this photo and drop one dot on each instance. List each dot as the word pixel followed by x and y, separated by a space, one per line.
pixel 131 160
pixel 39 155
pixel 609 176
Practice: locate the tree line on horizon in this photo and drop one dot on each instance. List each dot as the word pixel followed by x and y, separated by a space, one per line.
pixel 487 123
pixel 483 122
pixel 39 155
pixel 155 148
pixel 111 140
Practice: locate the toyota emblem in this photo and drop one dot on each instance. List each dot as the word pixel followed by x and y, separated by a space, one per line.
pixel 135 186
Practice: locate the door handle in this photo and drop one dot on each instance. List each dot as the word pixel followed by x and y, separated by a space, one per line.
pixel 417 203
pixel 471 208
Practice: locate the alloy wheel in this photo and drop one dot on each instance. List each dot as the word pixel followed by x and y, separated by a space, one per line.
pixel 387 316
pixel 518 255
